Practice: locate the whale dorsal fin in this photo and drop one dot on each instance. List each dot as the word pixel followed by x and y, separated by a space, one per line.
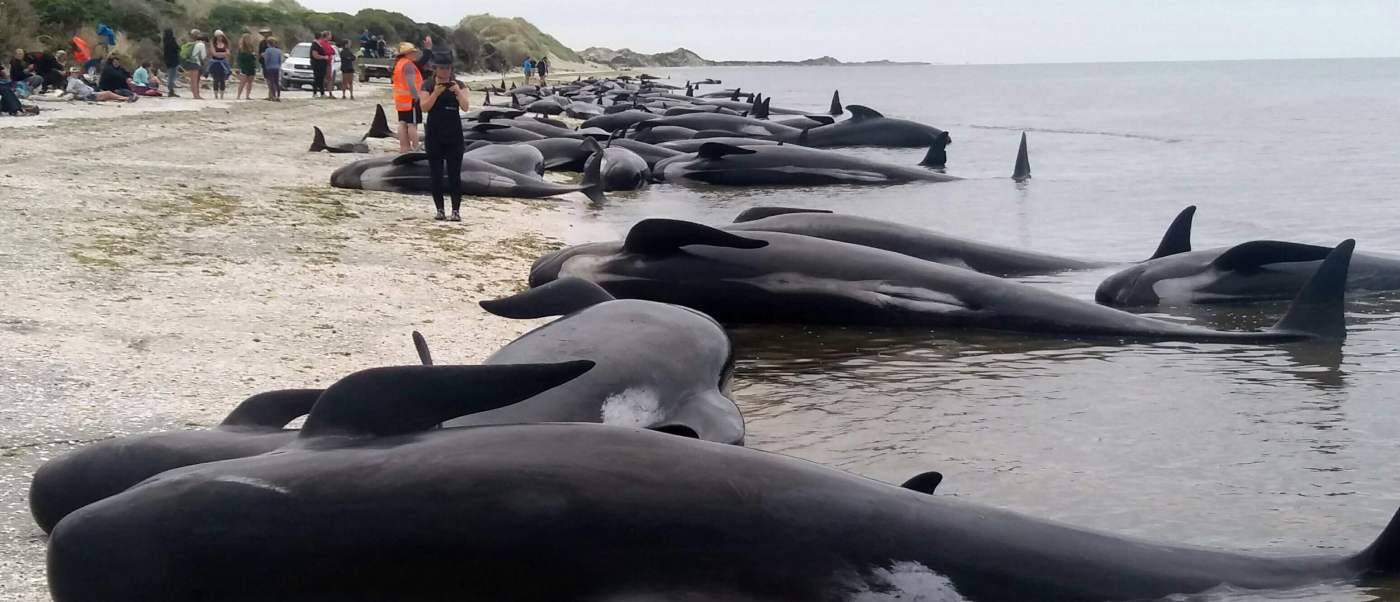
pixel 659 235
pixel 758 213
pixel 406 158
pixel 486 127
pixel 719 150
pixel 560 297
pixel 273 408
pixel 383 402
pixel 924 482
pixel 836 108
pixel 1022 171
pixel 1254 254
pixel 1319 310
pixel 859 112
pixel 1177 239
pixel 420 344
pixel 318 140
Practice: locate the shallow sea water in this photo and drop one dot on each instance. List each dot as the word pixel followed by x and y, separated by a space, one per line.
pixel 1277 449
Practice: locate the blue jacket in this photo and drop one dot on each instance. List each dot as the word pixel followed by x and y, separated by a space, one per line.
pixel 528 64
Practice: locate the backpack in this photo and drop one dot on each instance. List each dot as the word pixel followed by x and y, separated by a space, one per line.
pixel 187 52
pixel 9 102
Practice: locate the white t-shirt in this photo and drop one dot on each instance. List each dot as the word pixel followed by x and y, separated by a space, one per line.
pixel 199 52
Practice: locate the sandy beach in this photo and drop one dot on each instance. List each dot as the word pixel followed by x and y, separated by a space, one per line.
pixel 165 259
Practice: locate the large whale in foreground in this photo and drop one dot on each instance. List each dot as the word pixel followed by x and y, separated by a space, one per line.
pixel 769 277
pixel 1259 270
pixel 656 366
pixel 106 468
pixel 906 240
pixel 597 512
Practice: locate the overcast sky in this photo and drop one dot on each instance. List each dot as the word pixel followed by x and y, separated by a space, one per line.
pixel 962 31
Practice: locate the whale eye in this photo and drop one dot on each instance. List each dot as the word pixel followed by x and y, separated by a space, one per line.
pixel 678 429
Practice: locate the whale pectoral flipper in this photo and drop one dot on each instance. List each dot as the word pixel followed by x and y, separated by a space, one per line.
pixel 1319 310
pixel 758 213
pixel 383 402
pixel 659 235
pixel 560 297
pixel 1255 254
pixel 718 150
pixel 925 482
pixel 1177 238
pixel 408 158
pixel 273 409
pixel 859 112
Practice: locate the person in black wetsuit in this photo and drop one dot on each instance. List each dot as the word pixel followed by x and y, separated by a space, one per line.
pixel 442 136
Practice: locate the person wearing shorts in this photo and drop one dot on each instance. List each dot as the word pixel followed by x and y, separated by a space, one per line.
pixel 407 81
pixel 247 66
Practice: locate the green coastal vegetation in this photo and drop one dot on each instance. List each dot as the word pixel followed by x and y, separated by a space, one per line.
pixel 481 42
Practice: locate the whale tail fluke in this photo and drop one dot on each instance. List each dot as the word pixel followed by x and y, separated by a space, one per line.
pixel 1022 172
pixel 1177 239
pixel 318 140
pixel 836 109
pixel 937 155
pixel 592 184
pixel 558 298
pixel 379 127
pixel 1319 310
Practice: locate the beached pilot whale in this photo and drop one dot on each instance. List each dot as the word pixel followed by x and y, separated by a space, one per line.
pixel 319 143
pixel 621 169
pixel 906 240
pixel 521 158
pixel 657 366
pixel 868 127
pixel 460 514
pixel 771 277
pixel 408 173
pixel 776 165
pixel 1259 270
pixel 106 468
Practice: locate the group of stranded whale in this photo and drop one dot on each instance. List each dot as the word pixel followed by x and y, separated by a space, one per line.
pixel 643 132
pixel 601 455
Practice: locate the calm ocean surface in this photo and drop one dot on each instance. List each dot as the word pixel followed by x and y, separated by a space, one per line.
pixel 1274 449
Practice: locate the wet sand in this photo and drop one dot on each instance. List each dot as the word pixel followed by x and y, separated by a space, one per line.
pixel 163 260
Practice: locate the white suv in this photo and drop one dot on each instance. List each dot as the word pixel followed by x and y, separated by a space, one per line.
pixel 296 68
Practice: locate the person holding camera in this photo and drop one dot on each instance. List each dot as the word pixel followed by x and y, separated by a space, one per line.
pixel 442 135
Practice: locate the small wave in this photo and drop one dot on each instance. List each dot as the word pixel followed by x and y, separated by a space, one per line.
pixel 1163 139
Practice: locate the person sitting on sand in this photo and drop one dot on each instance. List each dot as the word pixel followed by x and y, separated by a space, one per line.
pixel 115 78
pixel 142 83
pixel 80 90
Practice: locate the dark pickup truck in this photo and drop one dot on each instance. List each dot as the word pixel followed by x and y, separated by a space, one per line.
pixel 375 67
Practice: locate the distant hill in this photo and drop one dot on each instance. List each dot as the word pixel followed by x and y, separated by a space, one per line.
pixel 516 37
pixel 682 57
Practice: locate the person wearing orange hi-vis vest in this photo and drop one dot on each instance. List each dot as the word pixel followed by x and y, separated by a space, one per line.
pixel 408 81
